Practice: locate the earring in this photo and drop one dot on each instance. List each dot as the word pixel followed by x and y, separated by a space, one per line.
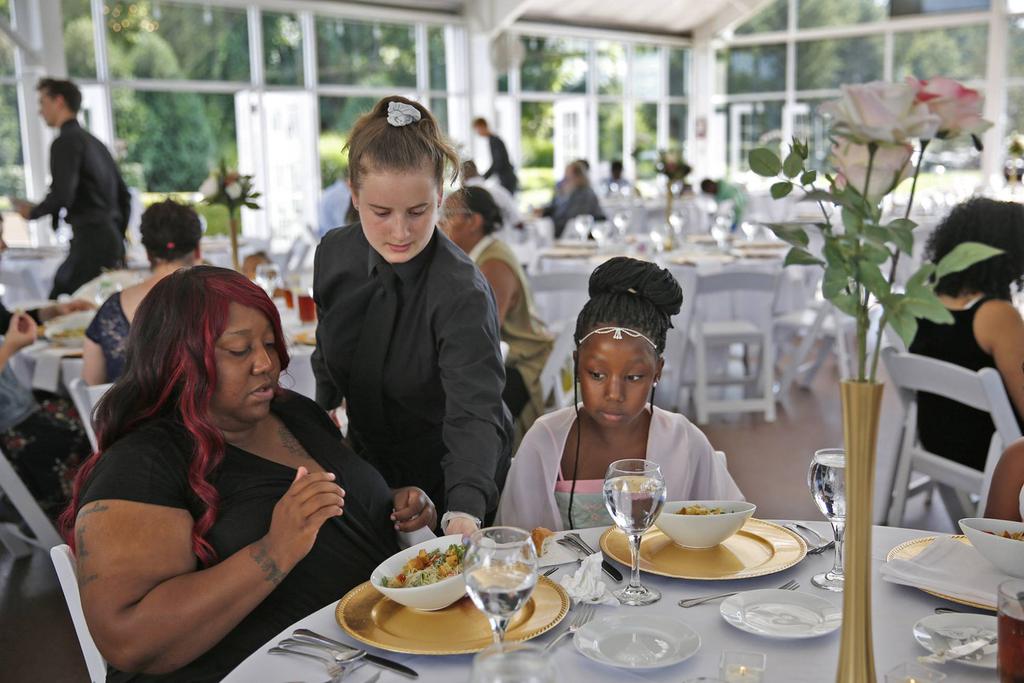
pixel 655 382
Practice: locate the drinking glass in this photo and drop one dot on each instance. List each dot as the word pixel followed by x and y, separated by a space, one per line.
pixel 513 663
pixel 621 222
pixel 634 493
pixel 268 277
pixel 913 673
pixel 677 221
pixel 750 230
pixel 827 481
pixel 600 233
pixel 582 225
pixel 501 570
pixel 1011 631
pixel 720 231
pixel 742 667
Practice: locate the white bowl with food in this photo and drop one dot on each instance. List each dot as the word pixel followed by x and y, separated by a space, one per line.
pixel 68 330
pixel 703 523
pixel 999 541
pixel 427 576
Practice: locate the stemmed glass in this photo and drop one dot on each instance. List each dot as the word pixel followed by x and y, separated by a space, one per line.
pixel 600 233
pixel 827 481
pixel 582 225
pixel 501 570
pixel 634 493
pixel 268 277
pixel 720 231
pixel 621 222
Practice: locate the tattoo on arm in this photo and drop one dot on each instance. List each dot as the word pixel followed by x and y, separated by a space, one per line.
pixel 81 552
pixel 259 554
pixel 290 443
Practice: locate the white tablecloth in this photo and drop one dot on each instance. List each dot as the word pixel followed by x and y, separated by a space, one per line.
pixel 896 609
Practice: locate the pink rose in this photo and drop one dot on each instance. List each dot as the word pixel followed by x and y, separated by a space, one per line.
pixel 881 112
pixel 958 108
pixel 890 166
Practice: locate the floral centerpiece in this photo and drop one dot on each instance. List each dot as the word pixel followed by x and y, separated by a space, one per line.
pixel 232 190
pixel 670 163
pixel 1015 158
pixel 875 130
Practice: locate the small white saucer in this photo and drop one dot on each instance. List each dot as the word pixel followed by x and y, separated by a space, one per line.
pixel 958 628
pixel 778 613
pixel 637 641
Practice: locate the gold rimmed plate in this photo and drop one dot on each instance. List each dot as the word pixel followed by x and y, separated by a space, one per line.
pixel 757 549
pixel 458 629
pixel 911 549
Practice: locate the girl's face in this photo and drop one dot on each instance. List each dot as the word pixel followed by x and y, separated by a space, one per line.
pixel 398 211
pixel 616 377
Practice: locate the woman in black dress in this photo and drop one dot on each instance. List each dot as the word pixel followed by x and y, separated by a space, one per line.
pixel 408 332
pixel 215 512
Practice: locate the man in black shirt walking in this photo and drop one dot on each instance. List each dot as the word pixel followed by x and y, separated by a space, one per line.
pixel 500 164
pixel 86 183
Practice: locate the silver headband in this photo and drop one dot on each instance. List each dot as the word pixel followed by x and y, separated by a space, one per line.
pixel 617 333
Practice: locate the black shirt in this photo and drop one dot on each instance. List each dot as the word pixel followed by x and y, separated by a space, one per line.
pixel 85 181
pixel 501 165
pixel 150 465
pixel 448 430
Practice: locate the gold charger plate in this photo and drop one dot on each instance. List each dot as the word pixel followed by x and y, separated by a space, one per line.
pixel 305 338
pixel 758 549
pixel 459 629
pixel 911 549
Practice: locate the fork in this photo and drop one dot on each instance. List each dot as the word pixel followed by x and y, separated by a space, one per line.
pixel 582 618
pixel 334 670
pixel 693 602
pixel 817 549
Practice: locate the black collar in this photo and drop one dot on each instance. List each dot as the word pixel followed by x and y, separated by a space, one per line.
pixel 410 270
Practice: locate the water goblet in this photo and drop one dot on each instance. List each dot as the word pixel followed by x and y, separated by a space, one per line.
pixel 634 493
pixel 827 481
pixel 600 233
pixel 513 663
pixel 268 278
pixel 621 222
pixel 583 225
pixel 501 570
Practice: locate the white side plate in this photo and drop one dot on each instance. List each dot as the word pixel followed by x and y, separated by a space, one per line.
pixel 782 614
pixel 639 641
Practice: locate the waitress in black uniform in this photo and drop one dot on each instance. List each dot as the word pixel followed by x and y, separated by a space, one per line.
pixel 408 332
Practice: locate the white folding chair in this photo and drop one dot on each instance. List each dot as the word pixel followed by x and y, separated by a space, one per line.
pixel 711 333
pixel 983 390
pixel 671 387
pixel 85 398
pixel 26 505
pixel 559 296
pixel 64 563
pixel 554 385
pixel 819 322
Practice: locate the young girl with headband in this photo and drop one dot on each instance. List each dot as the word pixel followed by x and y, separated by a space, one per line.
pixel 557 475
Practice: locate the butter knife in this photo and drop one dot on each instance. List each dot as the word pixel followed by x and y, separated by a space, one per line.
pixel 373 659
pixel 606 566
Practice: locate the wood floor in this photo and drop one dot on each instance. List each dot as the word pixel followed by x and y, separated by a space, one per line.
pixel 768 461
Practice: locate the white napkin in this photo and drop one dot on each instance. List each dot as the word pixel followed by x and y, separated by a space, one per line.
pixel 951 567
pixel 586 584
pixel 555 554
pixel 46 376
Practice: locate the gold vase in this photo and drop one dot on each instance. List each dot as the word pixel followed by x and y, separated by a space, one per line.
pixel 669 197
pixel 862 403
pixel 233 230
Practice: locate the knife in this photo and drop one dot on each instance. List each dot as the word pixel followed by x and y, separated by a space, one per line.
pixel 373 659
pixel 606 566
pixel 957 652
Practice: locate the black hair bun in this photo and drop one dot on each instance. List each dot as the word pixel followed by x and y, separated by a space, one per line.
pixel 624 275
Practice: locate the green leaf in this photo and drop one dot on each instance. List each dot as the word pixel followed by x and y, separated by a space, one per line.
pixel 852 221
pixel 926 305
pixel 920 279
pixel 875 254
pixel 835 282
pixel 792 234
pixel 847 303
pixel 801 257
pixel 793 164
pixel 820 196
pixel 871 276
pixel 781 189
pixel 963 256
pixel 905 325
pixel 808 177
pixel 765 162
pixel 877 234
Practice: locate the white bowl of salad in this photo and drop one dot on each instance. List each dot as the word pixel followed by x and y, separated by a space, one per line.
pixel 427 576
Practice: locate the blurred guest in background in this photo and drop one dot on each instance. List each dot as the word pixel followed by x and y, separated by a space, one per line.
pixel 510 217
pixel 335 203
pixel 501 166
pixel 575 198
pixel 85 182
pixel 1006 494
pixel 722 192
pixel 615 184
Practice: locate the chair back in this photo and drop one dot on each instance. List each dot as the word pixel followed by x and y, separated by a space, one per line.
pixel 85 398
pixel 559 296
pixel 64 563
pixel 25 503
pixel 557 368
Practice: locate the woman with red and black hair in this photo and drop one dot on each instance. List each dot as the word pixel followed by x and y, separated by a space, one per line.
pixel 214 513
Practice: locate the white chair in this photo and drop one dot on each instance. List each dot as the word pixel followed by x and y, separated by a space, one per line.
pixel 982 390
pixel 817 323
pixel 559 296
pixel 85 398
pixel 24 502
pixel 711 333
pixel 671 388
pixel 64 563
pixel 557 368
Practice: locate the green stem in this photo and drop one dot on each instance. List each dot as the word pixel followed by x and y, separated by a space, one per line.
pixel 863 319
pixel 872 148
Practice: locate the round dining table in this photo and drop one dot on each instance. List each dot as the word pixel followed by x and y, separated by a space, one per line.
pixel 896 609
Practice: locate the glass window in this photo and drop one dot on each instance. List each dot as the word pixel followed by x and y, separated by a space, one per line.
pixel 168 40
pixel 901 7
pixel 79 39
pixel 172 140
pixel 554 65
pixel 436 57
pixel 755 69
pixel 370 54
pixel 282 49
pixel 609 131
pixel 814 13
pixel 823 64
pixel 537 150
pixel 678 71
pixel 12 171
pixel 439 108
pixel 1015 110
pixel 811 126
pixel 771 18
pixel 337 116
pixel 647 71
pixel 953 52
pixel 750 125
pixel 677 126
pixel 1015 40
pixel 503 82
pixel 646 138
pixel 611 68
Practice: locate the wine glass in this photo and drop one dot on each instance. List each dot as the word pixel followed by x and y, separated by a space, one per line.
pixel 750 230
pixel 677 221
pixel 513 663
pixel 621 222
pixel 501 570
pixel 827 481
pixel 582 225
pixel 268 277
pixel 720 231
pixel 634 493
pixel 600 233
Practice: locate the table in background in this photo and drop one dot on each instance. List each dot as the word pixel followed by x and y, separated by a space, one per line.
pixel 896 609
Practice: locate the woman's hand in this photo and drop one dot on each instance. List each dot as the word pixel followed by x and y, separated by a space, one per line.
pixel 310 501
pixel 413 509
pixel 461 525
pixel 64 308
pixel 21 332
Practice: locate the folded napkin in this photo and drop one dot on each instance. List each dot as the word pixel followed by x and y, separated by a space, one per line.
pixel 555 554
pixel 586 584
pixel 950 567
pixel 46 376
